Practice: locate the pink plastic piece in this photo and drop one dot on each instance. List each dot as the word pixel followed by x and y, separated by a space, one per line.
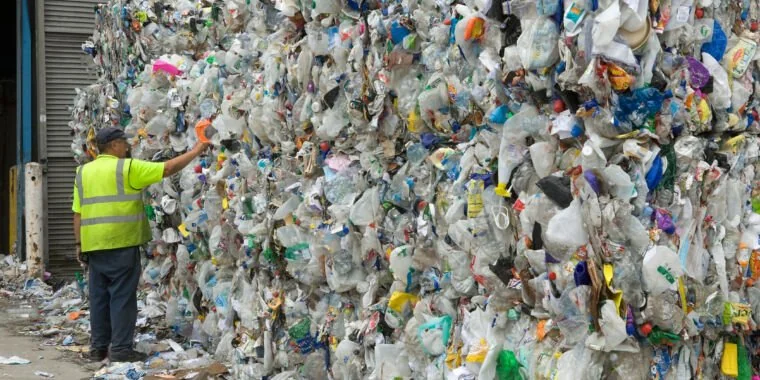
pixel 161 65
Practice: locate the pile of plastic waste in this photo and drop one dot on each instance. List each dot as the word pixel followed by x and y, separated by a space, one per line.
pixel 532 189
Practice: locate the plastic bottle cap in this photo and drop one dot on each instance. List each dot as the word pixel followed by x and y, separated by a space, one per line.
pixel 552 276
pixel 501 189
pixel 559 105
pixel 577 131
pixel 646 329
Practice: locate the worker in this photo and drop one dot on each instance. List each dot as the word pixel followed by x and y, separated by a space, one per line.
pixel 110 225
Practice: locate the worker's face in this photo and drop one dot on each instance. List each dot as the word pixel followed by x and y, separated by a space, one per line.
pixel 121 148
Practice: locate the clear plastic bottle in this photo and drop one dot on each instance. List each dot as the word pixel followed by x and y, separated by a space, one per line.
pixel 208 108
pixel 416 153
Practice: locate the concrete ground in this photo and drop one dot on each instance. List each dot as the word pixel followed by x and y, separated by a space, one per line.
pixel 61 364
pixel 43 358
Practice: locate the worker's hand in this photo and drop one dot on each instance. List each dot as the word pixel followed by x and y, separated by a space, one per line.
pixel 81 257
pixel 201 147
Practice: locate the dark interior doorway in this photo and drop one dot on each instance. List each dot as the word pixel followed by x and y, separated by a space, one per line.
pixel 8 31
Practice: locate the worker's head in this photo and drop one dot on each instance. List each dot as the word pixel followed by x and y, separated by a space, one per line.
pixel 112 141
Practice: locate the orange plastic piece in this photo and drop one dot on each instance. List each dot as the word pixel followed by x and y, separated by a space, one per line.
pixel 200 130
pixel 475 28
pixel 541 330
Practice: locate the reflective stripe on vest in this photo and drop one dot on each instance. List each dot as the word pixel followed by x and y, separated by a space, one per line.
pixel 113 219
pixel 120 197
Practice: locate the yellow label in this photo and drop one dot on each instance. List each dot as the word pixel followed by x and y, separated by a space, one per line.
pixel 411 122
pixel 704 111
pixel 399 300
pixel 740 313
pixel 453 358
pixel 478 352
pixel 617 295
pixel 609 271
pixel 733 143
pixel 474 198
pixel 225 203
pixel 183 230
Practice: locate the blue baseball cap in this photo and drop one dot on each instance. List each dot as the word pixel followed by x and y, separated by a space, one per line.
pixel 108 134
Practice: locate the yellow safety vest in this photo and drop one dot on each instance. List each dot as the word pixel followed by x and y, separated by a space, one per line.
pixel 112 212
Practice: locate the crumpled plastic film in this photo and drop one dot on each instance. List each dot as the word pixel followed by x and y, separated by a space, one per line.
pixel 455 189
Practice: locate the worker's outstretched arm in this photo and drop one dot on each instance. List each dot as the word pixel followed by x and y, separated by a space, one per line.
pixel 176 164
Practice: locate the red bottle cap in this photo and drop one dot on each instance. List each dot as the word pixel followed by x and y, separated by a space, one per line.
pixel 646 329
pixel 559 105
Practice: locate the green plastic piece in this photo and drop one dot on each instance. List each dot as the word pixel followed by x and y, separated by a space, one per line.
pixel 508 368
pixel 269 254
pixel 727 314
pixel 745 368
pixel 658 336
pixel 298 252
pixel 150 213
pixel 756 205
pixel 300 329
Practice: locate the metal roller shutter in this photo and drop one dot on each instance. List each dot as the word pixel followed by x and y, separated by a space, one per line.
pixel 68 23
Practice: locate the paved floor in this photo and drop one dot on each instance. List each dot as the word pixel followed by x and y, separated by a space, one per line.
pixel 43 358
pixel 61 364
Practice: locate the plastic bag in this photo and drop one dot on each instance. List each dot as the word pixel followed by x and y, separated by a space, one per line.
pixel 566 231
pixel 366 209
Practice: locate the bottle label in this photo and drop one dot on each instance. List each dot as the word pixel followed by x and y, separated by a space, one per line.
pixel 474 198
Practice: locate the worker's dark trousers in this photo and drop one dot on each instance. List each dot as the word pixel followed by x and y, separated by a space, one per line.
pixel 114 275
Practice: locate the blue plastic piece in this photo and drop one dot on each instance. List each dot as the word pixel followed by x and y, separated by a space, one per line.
pixel 428 140
pixel 353 5
pixel 398 32
pixel 581 275
pixel 654 175
pixel 577 131
pixel 642 104
pixel 592 181
pixel 717 46
pixel 498 115
pixel 487 178
pixel 560 13
pixel 549 259
pixel 561 67
pixel 181 126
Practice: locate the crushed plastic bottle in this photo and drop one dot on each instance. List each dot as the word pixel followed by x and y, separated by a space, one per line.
pixel 520 189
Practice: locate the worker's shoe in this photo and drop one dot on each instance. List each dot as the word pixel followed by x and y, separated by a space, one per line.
pixel 128 356
pixel 98 355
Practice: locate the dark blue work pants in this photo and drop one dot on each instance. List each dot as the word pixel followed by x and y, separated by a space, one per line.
pixel 114 275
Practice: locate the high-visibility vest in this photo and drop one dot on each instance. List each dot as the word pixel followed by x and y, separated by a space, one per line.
pixel 112 212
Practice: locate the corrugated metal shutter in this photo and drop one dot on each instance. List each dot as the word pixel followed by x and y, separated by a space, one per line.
pixel 70 16
pixel 68 23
